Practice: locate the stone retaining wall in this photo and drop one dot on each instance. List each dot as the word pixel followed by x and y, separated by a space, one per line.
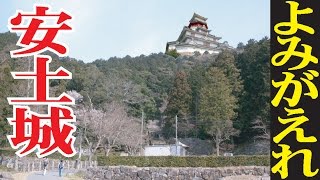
pixel 157 173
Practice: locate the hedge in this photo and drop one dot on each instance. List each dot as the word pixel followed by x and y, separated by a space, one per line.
pixel 7 152
pixel 56 155
pixel 186 161
pixel 167 161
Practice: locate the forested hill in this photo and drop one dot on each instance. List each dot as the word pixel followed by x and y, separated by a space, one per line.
pixel 162 86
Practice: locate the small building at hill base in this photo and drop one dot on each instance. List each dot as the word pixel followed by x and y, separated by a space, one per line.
pixel 197 38
pixel 166 150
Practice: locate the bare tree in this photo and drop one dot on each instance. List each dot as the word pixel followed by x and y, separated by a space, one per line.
pixel 107 128
pixel 116 121
pixel 92 124
pixel 221 133
pixel 123 90
pixel 131 137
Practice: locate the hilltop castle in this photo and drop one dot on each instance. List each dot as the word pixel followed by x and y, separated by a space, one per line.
pixel 197 37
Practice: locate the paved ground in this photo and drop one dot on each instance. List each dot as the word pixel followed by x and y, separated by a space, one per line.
pixel 50 175
pixel 247 177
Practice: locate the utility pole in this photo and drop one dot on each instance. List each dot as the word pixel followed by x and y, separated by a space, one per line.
pixel 141 134
pixel 80 145
pixel 176 135
pixel 29 80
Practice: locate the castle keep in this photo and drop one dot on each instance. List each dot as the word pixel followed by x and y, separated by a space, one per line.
pixel 197 37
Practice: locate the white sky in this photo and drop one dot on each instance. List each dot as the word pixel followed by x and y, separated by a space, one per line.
pixel 107 28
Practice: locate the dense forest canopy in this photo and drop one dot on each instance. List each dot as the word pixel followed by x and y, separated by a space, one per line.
pixel 161 86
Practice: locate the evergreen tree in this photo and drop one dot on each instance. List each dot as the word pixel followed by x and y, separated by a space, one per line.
pixel 217 106
pixel 196 79
pixel 226 62
pixel 255 72
pixel 6 89
pixel 179 101
pixel 179 97
pixel 148 83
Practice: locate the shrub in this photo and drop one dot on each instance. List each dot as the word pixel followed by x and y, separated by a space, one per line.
pixel 188 161
pixel 173 53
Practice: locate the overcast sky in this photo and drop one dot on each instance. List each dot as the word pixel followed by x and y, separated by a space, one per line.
pixel 107 28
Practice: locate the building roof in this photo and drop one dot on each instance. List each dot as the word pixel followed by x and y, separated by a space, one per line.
pixel 203 29
pixel 168 145
pixel 198 17
pixel 185 28
pixel 197 46
pixel 183 145
pixel 172 42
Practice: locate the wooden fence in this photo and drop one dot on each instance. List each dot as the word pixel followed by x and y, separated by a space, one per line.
pixel 29 164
